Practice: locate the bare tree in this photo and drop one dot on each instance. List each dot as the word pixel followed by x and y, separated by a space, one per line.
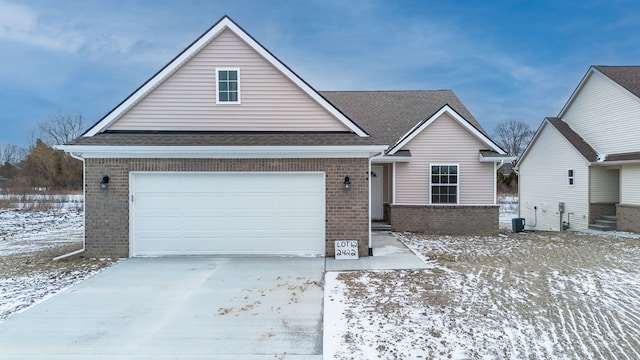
pixel 61 128
pixel 12 154
pixel 513 136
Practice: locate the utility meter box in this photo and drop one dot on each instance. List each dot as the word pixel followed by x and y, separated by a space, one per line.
pixel 561 207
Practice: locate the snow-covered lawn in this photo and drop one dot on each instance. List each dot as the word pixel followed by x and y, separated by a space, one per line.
pixel 29 240
pixel 515 296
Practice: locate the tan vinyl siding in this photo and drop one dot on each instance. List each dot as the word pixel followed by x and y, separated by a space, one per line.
pixel 605 185
pixel 630 185
pixel 543 183
pixel 605 115
pixel 445 141
pixel 186 101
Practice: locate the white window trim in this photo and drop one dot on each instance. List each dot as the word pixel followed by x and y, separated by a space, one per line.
pixel 218 90
pixel 570 178
pixel 457 185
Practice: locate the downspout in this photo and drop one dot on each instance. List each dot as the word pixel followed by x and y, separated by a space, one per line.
pixel 369 177
pixel 84 209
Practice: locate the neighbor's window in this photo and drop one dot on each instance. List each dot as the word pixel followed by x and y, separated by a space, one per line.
pixel 570 177
pixel 228 89
pixel 444 184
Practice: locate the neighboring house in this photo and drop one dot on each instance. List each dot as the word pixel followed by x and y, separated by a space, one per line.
pixel 227 151
pixel 587 158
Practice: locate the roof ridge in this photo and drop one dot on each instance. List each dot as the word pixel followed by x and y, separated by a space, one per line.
pixel 370 91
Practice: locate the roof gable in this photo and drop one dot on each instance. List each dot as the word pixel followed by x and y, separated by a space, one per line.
pixel 446 109
pixel 324 112
pixel 389 115
pixel 627 77
pixel 576 141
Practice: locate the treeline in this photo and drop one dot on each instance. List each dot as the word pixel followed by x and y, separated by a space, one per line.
pixel 39 166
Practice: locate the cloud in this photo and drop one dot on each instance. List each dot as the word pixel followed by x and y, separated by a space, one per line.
pixel 23 24
pixel 86 33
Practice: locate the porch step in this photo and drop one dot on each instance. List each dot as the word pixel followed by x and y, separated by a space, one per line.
pixel 604 223
pixel 380 226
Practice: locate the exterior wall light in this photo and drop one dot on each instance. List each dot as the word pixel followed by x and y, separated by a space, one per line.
pixel 347 183
pixel 104 182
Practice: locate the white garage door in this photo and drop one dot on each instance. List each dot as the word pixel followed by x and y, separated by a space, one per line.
pixel 227 213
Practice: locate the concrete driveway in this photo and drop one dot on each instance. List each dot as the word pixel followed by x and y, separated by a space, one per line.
pixel 179 308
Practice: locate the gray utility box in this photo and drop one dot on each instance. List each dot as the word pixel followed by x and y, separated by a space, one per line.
pixel 517 225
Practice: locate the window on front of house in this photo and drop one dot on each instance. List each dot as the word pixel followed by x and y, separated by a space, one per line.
pixel 570 177
pixel 228 89
pixel 444 184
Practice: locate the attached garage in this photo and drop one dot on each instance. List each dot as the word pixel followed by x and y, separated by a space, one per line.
pixel 243 213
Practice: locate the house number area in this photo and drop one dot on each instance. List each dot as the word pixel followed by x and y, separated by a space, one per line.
pixel 346 249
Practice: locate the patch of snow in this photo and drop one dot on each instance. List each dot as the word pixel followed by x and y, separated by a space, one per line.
pixel 25 231
pixel 537 296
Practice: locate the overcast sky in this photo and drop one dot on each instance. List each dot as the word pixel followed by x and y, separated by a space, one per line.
pixel 506 59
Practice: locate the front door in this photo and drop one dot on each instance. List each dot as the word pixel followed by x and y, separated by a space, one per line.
pixel 377 188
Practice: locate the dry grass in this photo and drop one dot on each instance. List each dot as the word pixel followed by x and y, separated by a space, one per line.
pixel 39 202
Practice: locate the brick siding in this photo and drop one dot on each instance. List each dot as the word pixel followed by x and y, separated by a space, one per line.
pixel 628 218
pixel 107 211
pixel 452 220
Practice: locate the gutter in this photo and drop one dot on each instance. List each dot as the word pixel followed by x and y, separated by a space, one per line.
pixel 84 204
pixel 377 156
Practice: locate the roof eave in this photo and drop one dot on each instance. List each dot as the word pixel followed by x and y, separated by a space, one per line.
pixel 222 152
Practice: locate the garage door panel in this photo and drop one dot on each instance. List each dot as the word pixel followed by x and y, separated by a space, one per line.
pixel 228 213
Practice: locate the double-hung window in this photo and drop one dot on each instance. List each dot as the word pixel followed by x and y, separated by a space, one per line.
pixel 444 184
pixel 570 177
pixel 228 86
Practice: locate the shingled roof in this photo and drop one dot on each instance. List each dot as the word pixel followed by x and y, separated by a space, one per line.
pixel 222 139
pixel 576 140
pixel 626 76
pixel 389 115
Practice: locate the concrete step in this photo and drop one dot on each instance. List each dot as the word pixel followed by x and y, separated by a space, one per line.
pixel 380 226
pixel 606 222
pixel 600 227
pixel 608 217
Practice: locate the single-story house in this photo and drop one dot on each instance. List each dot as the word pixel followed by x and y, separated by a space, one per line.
pixel 582 168
pixel 227 151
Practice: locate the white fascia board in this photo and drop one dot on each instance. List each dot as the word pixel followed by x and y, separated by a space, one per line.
pixel 224 23
pixel 496 159
pixel 391 159
pixel 576 91
pixel 222 152
pixel 592 70
pixel 157 79
pixel 449 111
pixel 531 143
pixel 296 79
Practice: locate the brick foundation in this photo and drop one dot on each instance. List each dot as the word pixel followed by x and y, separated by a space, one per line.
pixel 453 220
pixel 628 218
pixel 107 211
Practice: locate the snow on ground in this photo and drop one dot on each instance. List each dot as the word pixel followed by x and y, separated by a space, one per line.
pixel 529 295
pixel 29 240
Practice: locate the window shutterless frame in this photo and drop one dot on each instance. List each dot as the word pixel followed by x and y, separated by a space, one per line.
pixel 570 177
pixel 227 86
pixel 444 180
